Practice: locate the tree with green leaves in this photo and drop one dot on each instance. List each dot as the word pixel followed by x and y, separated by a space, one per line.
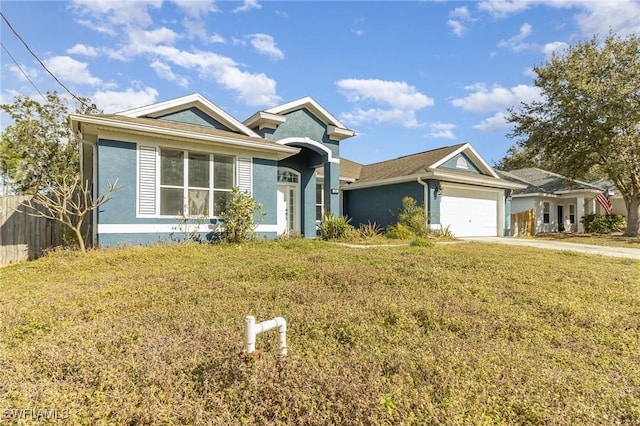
pixel 588 117
pixel 38 148
pixel 39 155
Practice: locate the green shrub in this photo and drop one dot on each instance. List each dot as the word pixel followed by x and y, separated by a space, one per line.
pixel 335 228
pixel 603 224
pixel 413 216
pixel 399 232
pixel 239 217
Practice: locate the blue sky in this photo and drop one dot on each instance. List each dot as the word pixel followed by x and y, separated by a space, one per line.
pixel 407 76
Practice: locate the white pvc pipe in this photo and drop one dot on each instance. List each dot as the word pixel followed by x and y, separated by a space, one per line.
pixel 251 330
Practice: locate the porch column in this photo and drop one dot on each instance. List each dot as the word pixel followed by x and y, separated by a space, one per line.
pixel 332 188
pixel 580 212
pixel 507 212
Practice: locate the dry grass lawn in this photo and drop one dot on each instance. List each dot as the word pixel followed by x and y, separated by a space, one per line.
pixel 593 239
pixel 452 334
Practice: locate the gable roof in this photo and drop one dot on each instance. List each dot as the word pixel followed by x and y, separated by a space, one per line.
pixel 189 101
pixel 407 165
pixel 427 165
pixel 85 125
pixel 275 116
pixel 539 181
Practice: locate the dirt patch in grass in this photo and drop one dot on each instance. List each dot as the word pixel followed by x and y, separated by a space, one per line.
pixel 449 334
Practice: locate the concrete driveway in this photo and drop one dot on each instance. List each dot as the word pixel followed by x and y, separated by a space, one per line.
pixel 630 253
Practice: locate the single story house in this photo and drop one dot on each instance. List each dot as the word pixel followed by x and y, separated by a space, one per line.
pixel 177 162
pixel 557 201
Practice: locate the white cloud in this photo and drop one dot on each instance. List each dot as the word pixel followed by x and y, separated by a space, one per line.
pixel 164 71
pixel 253 89
pixel 109 13
pixel 158 36
pixel 265 45
pixel 498 98
pixel 516 43
pixel 458 17
pixel 397 94
pixel 195 28
pixel 247 6
pixel 356 27
pixel 441 131
pixel 19 73
pixel 112 101
pixel 196 8
pixel 158 46
pixel 554 47
pixel 83 50
pixel 405 118
pixel 216 38
pixel 502 8
pixel 592 16
pixel 68 70
pixel 461 13
pixel 401 101
pixel 457 27
pixel 529 72
pixel 620 16
pixel 495 124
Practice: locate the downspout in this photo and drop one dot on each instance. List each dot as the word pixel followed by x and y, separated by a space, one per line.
pixel 426 200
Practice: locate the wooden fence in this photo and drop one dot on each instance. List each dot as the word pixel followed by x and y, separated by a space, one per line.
pixel 523 223
pixel 22 236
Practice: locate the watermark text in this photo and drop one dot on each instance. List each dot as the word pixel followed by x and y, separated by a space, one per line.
pixel 35 413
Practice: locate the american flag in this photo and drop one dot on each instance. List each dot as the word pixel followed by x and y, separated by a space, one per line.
pixel 604 201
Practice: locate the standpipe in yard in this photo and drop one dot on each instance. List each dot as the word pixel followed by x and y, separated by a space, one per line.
pixel 251 331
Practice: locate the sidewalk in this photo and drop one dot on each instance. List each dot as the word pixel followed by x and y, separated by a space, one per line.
pixel 629 253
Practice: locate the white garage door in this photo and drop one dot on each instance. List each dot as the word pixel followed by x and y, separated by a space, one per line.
pixel 469 213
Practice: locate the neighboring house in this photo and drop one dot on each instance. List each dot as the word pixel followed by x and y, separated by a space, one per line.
pixel 456 186
pixel 559 203
pixel 617 201
pixel 182 158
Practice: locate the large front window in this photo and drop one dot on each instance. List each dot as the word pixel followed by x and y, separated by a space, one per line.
pixel 194 184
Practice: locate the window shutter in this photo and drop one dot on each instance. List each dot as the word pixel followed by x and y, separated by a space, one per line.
pixel 146 180
pixel 245 175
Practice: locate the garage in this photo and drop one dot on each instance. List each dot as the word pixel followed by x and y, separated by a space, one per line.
pixel 469 212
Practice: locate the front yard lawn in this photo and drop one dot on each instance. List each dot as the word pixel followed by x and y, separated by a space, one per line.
pixel 448 334
pixel 593 239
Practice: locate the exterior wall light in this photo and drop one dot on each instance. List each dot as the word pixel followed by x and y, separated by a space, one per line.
pixel 438 190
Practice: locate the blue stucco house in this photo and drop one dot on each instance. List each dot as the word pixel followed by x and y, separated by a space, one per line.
pixel 181 158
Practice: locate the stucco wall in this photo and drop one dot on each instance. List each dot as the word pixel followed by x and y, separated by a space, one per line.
pixel 380 203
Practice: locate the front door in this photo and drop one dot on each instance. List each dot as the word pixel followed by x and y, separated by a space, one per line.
pixel 560 218
pixel 288 189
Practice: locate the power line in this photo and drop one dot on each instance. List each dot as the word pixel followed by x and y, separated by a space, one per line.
pixel 42 64
pixel 23 71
